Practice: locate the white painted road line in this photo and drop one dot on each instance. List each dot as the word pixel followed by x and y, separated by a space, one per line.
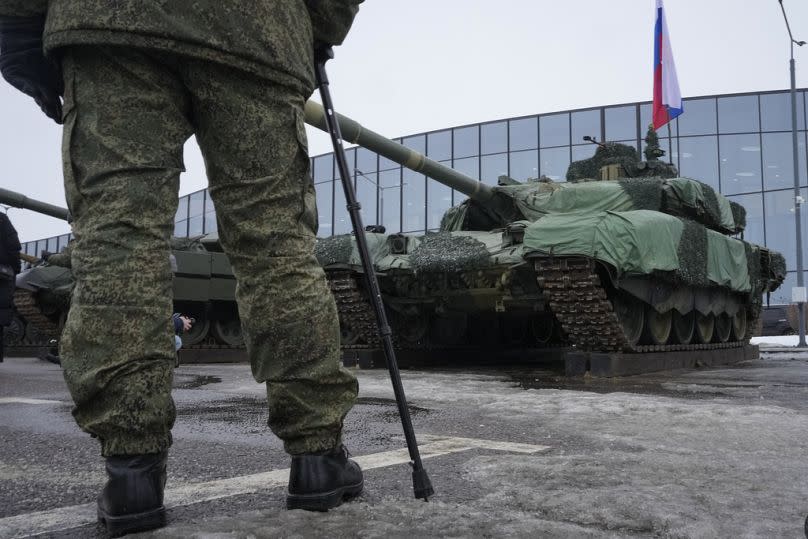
pixel 21 400
pixel 65 518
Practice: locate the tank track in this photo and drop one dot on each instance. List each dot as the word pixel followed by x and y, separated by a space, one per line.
pixel 354 310
pixel 25 302
pixel 581 304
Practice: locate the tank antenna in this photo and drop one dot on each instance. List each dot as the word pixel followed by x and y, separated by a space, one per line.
pixel 420 480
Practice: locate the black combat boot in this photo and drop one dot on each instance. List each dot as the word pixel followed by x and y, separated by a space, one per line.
pixel 319 482
pixel 132 499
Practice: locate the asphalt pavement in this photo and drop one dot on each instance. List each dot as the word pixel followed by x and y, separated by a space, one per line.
pixel 512 451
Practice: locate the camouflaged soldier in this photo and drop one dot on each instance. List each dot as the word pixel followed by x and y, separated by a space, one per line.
pixel 139 78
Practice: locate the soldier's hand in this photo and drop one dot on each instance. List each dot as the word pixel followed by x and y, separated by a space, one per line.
pixel 187 323
pixel 24 65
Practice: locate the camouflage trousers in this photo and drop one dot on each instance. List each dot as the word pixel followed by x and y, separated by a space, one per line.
pixel 127 115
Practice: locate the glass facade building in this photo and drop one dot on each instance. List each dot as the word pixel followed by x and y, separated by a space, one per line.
pixel 741 144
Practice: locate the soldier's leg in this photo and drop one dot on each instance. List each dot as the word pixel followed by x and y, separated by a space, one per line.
pixel 125 124
pixel 252 135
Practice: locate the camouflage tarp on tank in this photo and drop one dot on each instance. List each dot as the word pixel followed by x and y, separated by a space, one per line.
pixel 342 251
pixel 641 242
pixel 56 279
pixel 709 206
pixel 463 251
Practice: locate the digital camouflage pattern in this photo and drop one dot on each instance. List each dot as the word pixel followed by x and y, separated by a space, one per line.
pixel 127 115
pixel 271 39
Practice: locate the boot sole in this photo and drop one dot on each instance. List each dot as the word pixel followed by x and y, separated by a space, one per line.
pixel 137 522
pixel 325 500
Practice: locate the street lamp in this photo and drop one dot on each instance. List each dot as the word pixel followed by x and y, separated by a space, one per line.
pixel 381 192
pixel 799 293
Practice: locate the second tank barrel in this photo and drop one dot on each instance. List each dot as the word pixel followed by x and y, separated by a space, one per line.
pixel 354 133
pixel 18 200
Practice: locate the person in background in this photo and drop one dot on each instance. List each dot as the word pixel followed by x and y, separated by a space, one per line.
pixel 182 324
pixel 10 266
pixel 138 80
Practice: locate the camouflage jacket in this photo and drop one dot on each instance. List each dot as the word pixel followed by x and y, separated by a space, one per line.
pixel 272 38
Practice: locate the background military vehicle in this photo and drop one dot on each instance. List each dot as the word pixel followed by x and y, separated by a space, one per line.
pixel 643 261
pixel 204 288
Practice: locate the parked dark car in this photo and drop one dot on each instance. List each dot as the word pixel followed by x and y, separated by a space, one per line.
pixel 775 321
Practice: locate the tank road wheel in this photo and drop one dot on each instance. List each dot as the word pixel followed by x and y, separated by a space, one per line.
pixel 739 326
pixel 631 314
pixel 705 324
pixel 657 326
pixel 14 332
pixel 410 331
pixel 228 332
pixel 684 326
pixel 723 327
pixel 198 331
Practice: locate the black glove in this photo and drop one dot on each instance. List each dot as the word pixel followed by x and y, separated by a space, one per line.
pixel 322 52
pixel 24 65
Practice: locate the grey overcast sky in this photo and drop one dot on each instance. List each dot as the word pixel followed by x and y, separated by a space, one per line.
pixel 418 65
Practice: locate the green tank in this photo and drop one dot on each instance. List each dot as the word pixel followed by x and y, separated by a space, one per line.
pixel 204 288
pixel 624 256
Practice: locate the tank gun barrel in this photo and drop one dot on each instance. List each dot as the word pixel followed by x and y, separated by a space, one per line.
pixel 355 133
pixel 18 200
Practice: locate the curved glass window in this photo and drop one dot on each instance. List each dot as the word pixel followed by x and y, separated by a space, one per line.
pixel 780 226
pixel 739 159
pixel 584 151
pixel 439 145
pixel 698 159
pixel 698 117
pixel 325 197
pixel 470 167
pixel 492 167
pixel 778 160
pixel 324 168
pixel 342 222
pixel 414 199
pixel 754 217
pixel 439 199
pixel 555 162
pixel 494 137
pixel 390 200
pixel 182 209
pixel 554 130
pixel 524 133
pixel 585 123
pixel 621 123
pixel 366 161
pixel 738 114
pixel 775 111
pixel 524 165
pixel 466 141
pixel 367 195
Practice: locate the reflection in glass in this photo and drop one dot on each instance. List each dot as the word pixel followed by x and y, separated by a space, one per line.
pixel 439 146
pixel 698 117
pixel 195 227
pixel 390 200
pixel 366 161
pixel 196 204
pixel 325 197
pixel 585 123
pixel 583 152
pixel 554 130
pixel 554 163
pixel 470 167
pixel 367 196
pixel 494 137
pixel 738 114
pixel 181 228
pixel 323 168
pixel 414 199
pixel 492 167
pixel 418 142
pixel 466 141
pixel 342 222
pixel 780 226
pixel 621 123
pixel 778 160
pixel 440 199
pixel 775 112
pixel 754 217
pixel 524 165
pixel 182 209
pixel 698 159
pixel 210 222
pixel 524 134
pixel 740 163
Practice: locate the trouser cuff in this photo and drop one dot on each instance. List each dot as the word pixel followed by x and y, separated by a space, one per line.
pixel 136 445
pixel 313 444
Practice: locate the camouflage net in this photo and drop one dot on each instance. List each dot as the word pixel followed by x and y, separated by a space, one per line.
pixel 738 215
pixel 444 252
pixel 645 193
pixel 756 279
pixel 334 249
pixel 610 153
pixel 193 244
pixel 692 253
pixel 777 267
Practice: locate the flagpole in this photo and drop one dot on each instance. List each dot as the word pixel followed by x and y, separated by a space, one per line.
pixel 670 143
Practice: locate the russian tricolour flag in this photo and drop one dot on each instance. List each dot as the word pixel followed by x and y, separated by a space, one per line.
pixel 667 99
